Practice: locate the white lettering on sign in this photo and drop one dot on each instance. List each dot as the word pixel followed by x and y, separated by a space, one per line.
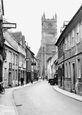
pixel 9 25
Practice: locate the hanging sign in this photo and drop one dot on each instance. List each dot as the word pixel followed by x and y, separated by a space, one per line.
pixel 9 25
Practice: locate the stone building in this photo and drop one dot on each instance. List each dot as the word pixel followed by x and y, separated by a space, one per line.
pixel 70 55
pixel 49 36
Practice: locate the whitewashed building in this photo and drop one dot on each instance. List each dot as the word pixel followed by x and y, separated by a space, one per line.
pixel 20 39
pixel 14 67
pixel 10 65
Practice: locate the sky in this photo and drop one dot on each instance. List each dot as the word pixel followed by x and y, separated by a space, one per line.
pixel 27 15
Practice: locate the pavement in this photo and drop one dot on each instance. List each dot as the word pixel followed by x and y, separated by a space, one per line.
pixel 7 104
pixel 67 93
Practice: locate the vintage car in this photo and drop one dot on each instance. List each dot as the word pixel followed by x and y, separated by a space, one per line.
pixel 53 80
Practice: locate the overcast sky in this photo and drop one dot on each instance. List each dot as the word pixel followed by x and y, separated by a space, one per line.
pixel 27 14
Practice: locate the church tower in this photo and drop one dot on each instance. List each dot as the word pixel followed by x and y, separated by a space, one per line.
pixel 49 36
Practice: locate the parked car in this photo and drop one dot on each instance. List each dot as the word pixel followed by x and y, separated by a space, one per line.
pixel 54 80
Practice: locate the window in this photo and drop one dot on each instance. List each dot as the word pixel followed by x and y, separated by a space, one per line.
pixel 66 71
pixel 68 41
pixel 5 73
pixel 65 43
pixel 72 38
pixel 78 69
pixel 10 55
pixel 13 74
pixel 13 58
pixel 6 55
pixel 77 34
pixel 16 59
pixel 81 30
pixel 16 74
pixel 69 70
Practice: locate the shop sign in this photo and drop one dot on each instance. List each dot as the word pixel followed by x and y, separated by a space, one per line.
pixel 9 25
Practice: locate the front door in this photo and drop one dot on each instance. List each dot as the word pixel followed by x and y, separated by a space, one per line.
pixel 10 79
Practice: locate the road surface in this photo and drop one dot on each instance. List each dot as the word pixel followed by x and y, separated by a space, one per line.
pixel 42 99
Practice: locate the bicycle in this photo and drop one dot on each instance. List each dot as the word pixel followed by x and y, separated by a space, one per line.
pixel 2 89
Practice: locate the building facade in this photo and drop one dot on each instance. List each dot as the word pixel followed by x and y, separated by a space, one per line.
pixel 31 68
pixel 14 67
pixel 70 55
pixel 20 39
pixel 10 65
pixel 52 68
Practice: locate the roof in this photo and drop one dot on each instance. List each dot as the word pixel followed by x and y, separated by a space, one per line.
pixel 62 34
pixel 30 50
pixel 10 46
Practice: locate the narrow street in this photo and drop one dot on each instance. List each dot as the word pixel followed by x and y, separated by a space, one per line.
pixel 41 99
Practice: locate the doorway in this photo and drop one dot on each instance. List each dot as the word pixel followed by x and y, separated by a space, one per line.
pixel 10 79
pixel 73 80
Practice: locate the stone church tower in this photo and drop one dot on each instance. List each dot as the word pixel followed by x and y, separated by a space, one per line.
pixel 49 36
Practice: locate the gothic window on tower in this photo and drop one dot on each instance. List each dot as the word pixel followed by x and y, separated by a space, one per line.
pixel 50 25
